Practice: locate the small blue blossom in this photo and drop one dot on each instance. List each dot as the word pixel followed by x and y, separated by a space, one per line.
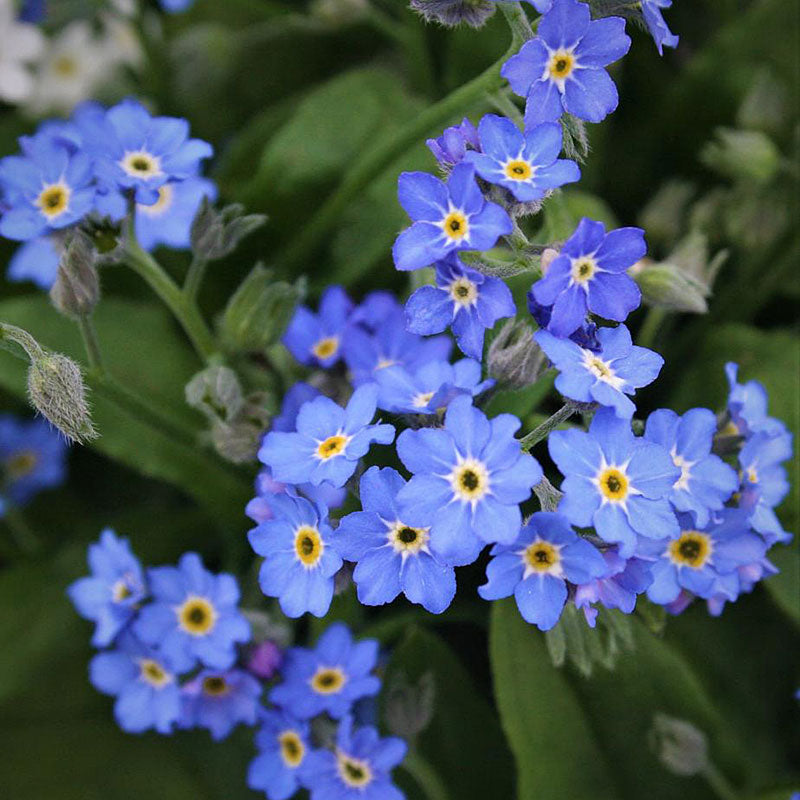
pixel 527 164
pixel 562 69
pixel 742 581
pixel 706 481
pixel 367 353
pixel 450 148
pixel 747 407
pixel 391 556
pixel 194 615
pixel 133 150
pixel 219 701
pixel 176 6
pixel 701 557
pixel 32 457
pixel 328 442
pixel 615 482
pixel 430 387
pixel 373 311
pixel 604 376
pixel 469 479
pixel 283 745
pixel 536 567
pixel 329 678
pixel 110 597
pixel 359 768
pixel 37 261
pixel 619 587
pixel 293 401
pixel 300 561
pixel 45 190
pixel 662 35
pixel 33 10
pixel 316 339
pixel 467 301
pixel 585 335
pixel 590 274
pixel 448 217
pixel 144 682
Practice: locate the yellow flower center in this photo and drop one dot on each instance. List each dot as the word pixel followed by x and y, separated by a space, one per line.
pixel 121 591
pixel 470 480
pixel 325 348
pixel 141 164
pixel 583 269
pixel 613 484
pixel 161 205
pixel 153 673
pixel 332 446
pixel 308 545
pixel 406 539
pixel 518 170
pixel 541 556
pixel 65 67
pixel 54 200
pixel 21 464
pixel 752 475
pixel 328 680
pixel 455 226
pixel 463 291
pixel 292 748
pixel 354 772
pixel 692 549
pixel 422 399
pixel 562 62
pixel 215 686
pixel 197 616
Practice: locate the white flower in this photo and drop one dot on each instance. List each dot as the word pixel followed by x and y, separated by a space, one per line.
pixel 20 45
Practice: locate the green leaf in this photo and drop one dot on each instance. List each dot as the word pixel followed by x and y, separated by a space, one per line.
pixel 463 742
pixel 556 754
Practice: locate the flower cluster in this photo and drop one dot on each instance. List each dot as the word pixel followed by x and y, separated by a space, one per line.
pixel 96 164
pixel 175 655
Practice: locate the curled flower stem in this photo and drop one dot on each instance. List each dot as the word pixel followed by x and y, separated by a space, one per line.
pixel 425 775
pixel 376 160
pixel 543 431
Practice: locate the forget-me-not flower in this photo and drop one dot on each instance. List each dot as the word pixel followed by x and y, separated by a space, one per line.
pixel 283 744
pixel 316 339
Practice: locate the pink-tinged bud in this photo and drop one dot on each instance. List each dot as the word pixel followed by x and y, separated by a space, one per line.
pixel 548 256
pixel 265 660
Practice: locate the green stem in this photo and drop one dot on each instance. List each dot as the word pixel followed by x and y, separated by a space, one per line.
pixel 543 431
pixel 24 537
pixel 506 106
pixel 376 160
pixel 652 322
pixel 91 343
pixel 183 307
pixel 425 775
pixel 194 277
pixel 719 783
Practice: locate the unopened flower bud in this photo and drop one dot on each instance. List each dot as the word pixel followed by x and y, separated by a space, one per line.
pixel 238 439
pixel 56 390
pixel 265 660
pixel 217 233
pixel 259 311
pixel 514 358
pixel 410 707
pixel 679 745
pixel 77 287
pixel 549 255
pixel 454 12
pixel 742 155
pixel 216 392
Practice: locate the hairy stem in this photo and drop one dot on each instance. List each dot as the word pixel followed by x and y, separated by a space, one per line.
pixel 91 343
pixel 543 431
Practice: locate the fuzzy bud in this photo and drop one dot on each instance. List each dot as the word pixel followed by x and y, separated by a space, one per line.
pixel 409 707
pixel 454 12
pixel 679 745
pixel 216 392
pixel 514 358
pixel 216 234
pixel 238 439
pixel 77 288
pixel 56 390
pixel 749 156
pixel 265 659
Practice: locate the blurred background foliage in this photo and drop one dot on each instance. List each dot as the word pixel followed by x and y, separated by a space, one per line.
pixel 705 142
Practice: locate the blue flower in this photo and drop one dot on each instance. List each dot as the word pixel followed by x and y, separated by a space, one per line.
pixel 47 189
pixel 300 561
pixel 536 567
pixel 469 479
pixel 604 376
pixel 430 387
pixel 764 482
pixel 293 401
pixel 133 150
pixel 562 69
pixel 110 597
pixel 706 481
pixel 466 300
pixel 615 482
pixel 37 261
pixel 329 678
pixel 358 769
pixel 143 681
pixel 176 6
pixel 168 221
pixel 391 556
pixel 219 701
pixel 373 311
pixel 742 581
pixel 193 616
pixel 527 164
pixel 590 274
pixel 619 587
pixel 328 442
pixel 585 335
pixel 449 149
pixel 283 744
pixel 32 457
pixel 316 339
pixel 447 217
pixel 747 407
pixel 367 353
pixel 33 10
pixel 662 35
pixel 701 556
